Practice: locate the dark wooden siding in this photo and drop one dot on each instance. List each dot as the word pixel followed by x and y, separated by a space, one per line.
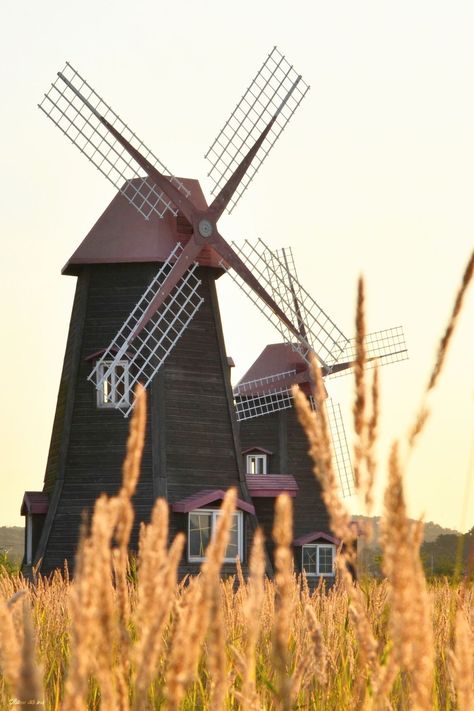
pixel 190 419
pixel 281 433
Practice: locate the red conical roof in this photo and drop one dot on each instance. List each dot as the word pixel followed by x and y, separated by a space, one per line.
pixel 122 235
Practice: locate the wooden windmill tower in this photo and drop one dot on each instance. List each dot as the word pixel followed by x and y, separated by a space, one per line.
pixel 146 310
pixel 271 437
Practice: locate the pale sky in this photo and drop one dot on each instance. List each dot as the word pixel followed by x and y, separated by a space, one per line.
pixel 373 175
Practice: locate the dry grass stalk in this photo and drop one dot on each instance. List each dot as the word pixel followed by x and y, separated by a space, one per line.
pixel 410 613
pixel 10 657
pixel 252 609
pixel 359 406
pixel 443 347
pixel 194 618
pixel 462 667
pixel 365 421
pixel 99 628
pixel 283 535
pixel 151 639
pixel 315 425
pixel 29 689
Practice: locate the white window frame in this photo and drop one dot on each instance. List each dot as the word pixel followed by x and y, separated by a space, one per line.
pixel 257 456
pixel 318 547
pixel 215 513
pixel 113 401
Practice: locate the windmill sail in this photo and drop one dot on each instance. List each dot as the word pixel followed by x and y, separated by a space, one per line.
pixel 73 105
pixel 276 83
pixel 263 396
pixel 382 348
pixel 319 333
pixel 138 357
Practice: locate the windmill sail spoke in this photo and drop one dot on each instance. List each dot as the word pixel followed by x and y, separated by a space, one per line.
pixel 139 357
pixel 318 332
pixel 74 107
pixel 382 347
pixel 277 90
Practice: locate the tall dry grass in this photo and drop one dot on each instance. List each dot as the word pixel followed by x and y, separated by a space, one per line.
pixel 112 640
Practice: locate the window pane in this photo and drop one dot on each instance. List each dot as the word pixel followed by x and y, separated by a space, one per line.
pixel 309 560
pixel 256 464
pixel 107 390
pixel 232 550
pixel 326 557
pixel 199 533
pixel 119 383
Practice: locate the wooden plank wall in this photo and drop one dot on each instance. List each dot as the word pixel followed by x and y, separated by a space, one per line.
pixel 189 443
pixel 281 433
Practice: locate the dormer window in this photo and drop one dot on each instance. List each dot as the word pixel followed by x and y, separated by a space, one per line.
pixel 113 390
pixel 256 460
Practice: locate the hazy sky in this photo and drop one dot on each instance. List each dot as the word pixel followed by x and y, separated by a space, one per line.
pixel 374 175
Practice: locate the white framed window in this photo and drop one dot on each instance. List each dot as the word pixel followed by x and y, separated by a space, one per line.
pixel 114 390
pixel 257 463
pixel 318 559
pixel 201 527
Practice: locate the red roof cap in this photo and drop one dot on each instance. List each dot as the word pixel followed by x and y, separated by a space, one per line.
pixel 122 235
pixel 202 498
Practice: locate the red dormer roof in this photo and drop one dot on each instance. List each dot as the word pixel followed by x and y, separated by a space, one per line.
pixel 204 497
pixel 122 235
pixel 34 502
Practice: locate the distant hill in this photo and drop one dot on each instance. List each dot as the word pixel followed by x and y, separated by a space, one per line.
pixel 430 533
pixel 12 539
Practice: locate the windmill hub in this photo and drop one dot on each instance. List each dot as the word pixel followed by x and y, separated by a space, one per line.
pixel 205 228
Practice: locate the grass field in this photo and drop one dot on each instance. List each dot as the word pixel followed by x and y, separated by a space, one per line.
pixel 126 635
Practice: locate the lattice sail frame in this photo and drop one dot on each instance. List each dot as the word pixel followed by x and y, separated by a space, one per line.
pixel 275 80
pixel 77 121
pixel 275 398
pixel 319 334
pixel 382 348
pixel 146 351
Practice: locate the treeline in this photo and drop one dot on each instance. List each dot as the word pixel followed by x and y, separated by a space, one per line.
pixel 450 555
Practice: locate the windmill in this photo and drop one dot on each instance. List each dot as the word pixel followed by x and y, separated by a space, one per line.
pixel 266 388
pixel 269 429
pixel 171 326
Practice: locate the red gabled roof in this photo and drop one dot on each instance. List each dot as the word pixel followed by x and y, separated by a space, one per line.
pixel 122 235
pixel 34 502
pixel 202 498
pixel 274 359
pixel 271 485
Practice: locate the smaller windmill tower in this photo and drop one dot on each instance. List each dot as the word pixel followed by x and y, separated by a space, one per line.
pixel 274 445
